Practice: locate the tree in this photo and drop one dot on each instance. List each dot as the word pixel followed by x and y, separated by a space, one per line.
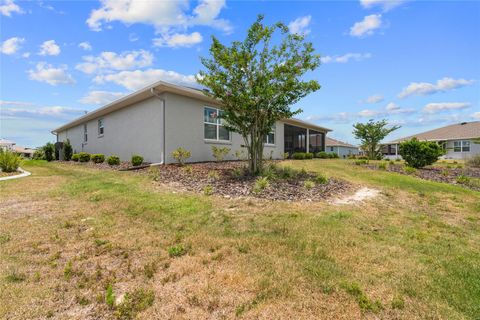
pixel 418 154
pixel 67 150
pixel 49 151
pixel 257 81
pixel 370 135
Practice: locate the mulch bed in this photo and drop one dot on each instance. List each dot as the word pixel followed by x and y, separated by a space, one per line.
pixel 218 176
pixel 8 174
pixel 123 166
pixel 438 174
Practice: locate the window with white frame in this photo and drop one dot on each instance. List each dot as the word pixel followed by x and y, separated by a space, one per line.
pixel 101 127
pixel 85 133
pixel 461 146
pixel 214 125
pixel 270 138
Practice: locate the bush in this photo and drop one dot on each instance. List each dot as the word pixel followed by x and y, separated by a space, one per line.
pixel 219 153
pixel 321 179
pixel 75 157
pixel 38 154
pixel 67 150
pixel 49 151
pixel 9 161
pixel 308 184
pixel 474 161
pixel 98 158
pixel 382 166
pixel 321 155
pixel 83 157
pixel 361 161
pixel 137 160
pixel 261 184
pixel 286 155
pixel 308 155
pixel 418 154
pixel 333 156
pixel 298 155
pixel 177 251
pixel 181 155
pixel 113 160
pixel 409 169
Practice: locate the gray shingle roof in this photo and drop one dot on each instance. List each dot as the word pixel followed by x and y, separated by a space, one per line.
pixel 329 142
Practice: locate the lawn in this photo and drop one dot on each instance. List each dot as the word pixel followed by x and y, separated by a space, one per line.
pixel 82 243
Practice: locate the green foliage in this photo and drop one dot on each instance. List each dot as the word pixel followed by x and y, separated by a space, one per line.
pixel 9 161
pixel 98 158
pixel 49 151
pixel 321 155
pixel 240 154
pixel 261 184
pixel 177 251
pixel 361 161
pixel 110 296
pixel 409 169
pixel 286 155
pixel 364 302
pixel 135 302
pixel 67 150
pixel 333 155
pixel 137 160
pixel 308 184
pixel 370 134
pixel 75 157
pixel 382 166
pixel 308 155
pixel 298 156
pixel 463 179
pixel 181 155
pixel 113 160
pixel 398 302
pixel 208 190
pixel 68 270
pixel 418 154
pixel 83 157
pixel 321 179
pixel 13 276
pixel 188 169
pixel 254 88
pixel 474 161
pixel 219 153
pixel 38 154
pixel 213 175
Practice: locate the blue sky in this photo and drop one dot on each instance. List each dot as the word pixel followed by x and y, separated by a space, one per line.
pixel 413 63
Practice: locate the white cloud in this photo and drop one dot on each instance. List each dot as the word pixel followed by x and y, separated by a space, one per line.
pixel 376 98
pixel 346 57
pixel 8 6
pixel 11 46
pixel 49 48
pixel 161 14
pixel 442 106
pixel 47 73
pixel 178 40
pixel 300 25
pixel 26 55
pixel 384 4
pixel 476 115
pixel 108 61
pixel 366 26
pixel 15 103
pixel 393 108
pixel 426 88
pixel 101 97
pixel 85 46
pixel 134 80
pixel 35 112
pixel 369 113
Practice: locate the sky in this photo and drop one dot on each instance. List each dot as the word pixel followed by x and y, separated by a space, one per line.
pixel 413 63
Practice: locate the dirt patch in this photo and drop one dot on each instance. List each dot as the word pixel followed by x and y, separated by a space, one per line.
pixel 359 196
pixel 222 178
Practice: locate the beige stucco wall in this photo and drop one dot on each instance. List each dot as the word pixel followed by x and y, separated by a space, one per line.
pixel 132 130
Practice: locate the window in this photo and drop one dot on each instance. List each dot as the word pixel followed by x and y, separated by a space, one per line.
pixel 85 133
pixel 213 124
pixel 270 138
pixel 331 148
pixel 461 146
pixel 101 128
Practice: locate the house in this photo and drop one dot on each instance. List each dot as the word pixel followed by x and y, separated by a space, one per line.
pixel 24 151
pixel 6 145
pixel 457 139
pixel 162 117
pixel 342 149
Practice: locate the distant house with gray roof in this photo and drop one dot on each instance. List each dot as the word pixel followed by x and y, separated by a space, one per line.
pixel 341 148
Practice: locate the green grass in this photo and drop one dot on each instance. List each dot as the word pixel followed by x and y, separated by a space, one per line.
pixel 413 252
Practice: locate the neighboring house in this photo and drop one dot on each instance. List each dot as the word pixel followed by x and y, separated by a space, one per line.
pixel 23 151
pixel 160 118
pixel 341 148
pixel 6 145
pixel 457 139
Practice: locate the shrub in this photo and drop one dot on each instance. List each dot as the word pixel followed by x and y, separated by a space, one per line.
pixel 49 151
pixel 308 184
pixel 98 158
pixel 321 179
pixel 418 154
pixel 261 184
pixel 75 157
pixel 208 190
pixel 361 161
pixel 333 156
pixel 113 160
pixel 83 157
pixel 67 150
pixel 177 251
pixel 137 160
pixel 219 153
pixel 135 302
pixel 409 169
pixel 474 161
pixel 382 166
pixel 298 155
pixel 188 169
pixel 463 179
pixel 286 155
pixel 9 161
pixel 308 155
pixel 321 155
pixel 270 172
pixel 38 154
pixel 181 155
pixel 213 175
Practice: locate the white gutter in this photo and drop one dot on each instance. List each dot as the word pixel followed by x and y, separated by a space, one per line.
pixel 154 93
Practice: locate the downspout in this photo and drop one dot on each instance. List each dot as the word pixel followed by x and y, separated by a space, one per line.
pixel 155 94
